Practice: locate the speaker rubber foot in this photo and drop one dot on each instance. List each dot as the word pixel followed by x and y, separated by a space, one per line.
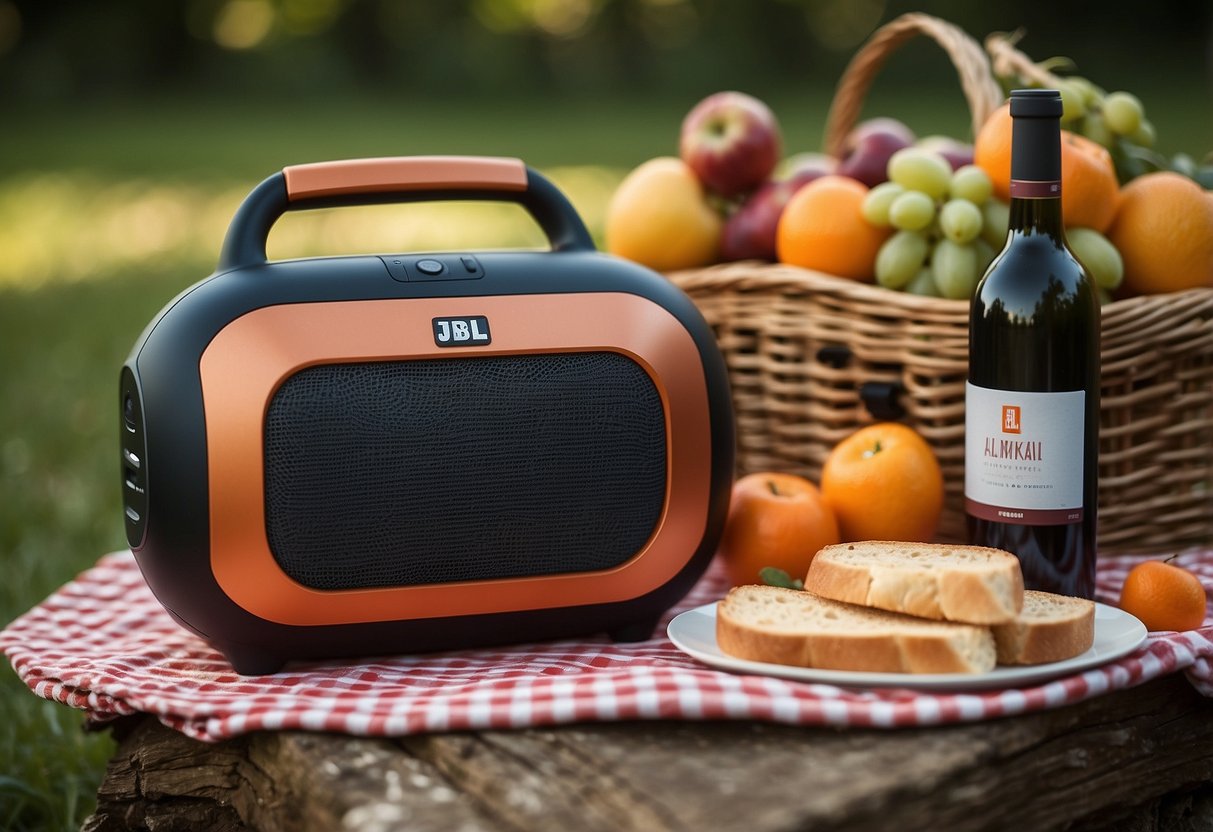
pixel 637 631
pixel 250 661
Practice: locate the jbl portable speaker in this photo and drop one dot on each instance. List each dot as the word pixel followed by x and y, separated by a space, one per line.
pixel 381 454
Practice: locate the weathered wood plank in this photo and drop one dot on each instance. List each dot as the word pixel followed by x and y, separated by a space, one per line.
pixel 1112 761
pixel 162 780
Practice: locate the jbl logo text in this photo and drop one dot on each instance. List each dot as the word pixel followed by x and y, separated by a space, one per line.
pixel 462 332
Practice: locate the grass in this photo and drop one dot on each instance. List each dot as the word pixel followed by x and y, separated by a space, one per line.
pixel 106 212
pixel 60 347
pixel 240 141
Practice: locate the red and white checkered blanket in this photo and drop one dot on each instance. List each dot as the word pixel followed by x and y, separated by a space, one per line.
pixel 103 644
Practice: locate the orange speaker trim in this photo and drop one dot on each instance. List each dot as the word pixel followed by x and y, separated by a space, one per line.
pixel 250 358
pixel 409 173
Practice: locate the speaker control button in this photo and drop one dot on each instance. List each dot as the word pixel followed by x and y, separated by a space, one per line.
pixel 406 268
pixel 396 268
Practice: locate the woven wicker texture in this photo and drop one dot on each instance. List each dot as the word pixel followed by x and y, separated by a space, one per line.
pixel 802 347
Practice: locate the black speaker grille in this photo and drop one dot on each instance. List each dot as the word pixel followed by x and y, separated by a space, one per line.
pixel 418 472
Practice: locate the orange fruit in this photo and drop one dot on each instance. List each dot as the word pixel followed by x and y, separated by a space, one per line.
pixel 822 228
pixel 1090 191
pixel 884 483
pixel 992 150
pixel 1163 596
pixel 778 520
pixel 1164 232
pixel 1088 178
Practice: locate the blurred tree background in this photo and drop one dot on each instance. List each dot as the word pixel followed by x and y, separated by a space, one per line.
pixel 68 50
pixel 70 67
pixel 131 129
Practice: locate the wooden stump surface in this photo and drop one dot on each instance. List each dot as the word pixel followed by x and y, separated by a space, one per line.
pixel 1135 760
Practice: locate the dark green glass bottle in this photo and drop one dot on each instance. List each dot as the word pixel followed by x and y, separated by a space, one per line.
pixel 1032 401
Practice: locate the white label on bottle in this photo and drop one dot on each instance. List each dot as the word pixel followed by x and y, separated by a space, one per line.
pixel 1024 455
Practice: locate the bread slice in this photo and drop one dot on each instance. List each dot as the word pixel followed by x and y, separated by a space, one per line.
pixel 1050 628
pixel 970 584
pixel 794 627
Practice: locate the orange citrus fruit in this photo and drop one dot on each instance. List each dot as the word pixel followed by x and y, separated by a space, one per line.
pixel 884 483
pixel 992 150
pixel 822 228
pixel 1164 232
pixel 1163 596
pixel 1088 178
pixel 777 520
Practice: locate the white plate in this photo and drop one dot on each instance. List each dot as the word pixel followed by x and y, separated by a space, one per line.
pixel 1116 634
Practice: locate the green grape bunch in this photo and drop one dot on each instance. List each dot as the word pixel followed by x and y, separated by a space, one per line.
pixel 947 225
pixel 1117 120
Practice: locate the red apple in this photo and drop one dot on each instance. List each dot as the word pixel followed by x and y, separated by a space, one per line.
pixel 866 151
pixel 749 234
pixel 958 154
pixel 731 141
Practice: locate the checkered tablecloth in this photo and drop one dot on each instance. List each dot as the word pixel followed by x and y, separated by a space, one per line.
pixel 103 644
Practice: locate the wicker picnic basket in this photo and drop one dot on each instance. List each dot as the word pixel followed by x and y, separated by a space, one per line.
pixel 812 357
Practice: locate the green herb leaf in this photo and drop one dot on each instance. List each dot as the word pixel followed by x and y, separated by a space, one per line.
pixel 777 577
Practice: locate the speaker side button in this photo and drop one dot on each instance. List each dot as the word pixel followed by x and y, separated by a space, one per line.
pixel 396 268
pixel 132 514
pixel 131 459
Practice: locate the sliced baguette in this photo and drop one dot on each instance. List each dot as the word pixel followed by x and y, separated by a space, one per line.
pixel 1050 628
pixel 970 584
pixel 794 627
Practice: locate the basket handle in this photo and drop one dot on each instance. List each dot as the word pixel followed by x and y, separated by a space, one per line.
pixel 981 90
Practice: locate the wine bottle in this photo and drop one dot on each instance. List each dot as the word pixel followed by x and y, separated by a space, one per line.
pixel 1032 397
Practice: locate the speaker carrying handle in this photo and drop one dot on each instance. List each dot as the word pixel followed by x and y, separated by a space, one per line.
pixel 399 179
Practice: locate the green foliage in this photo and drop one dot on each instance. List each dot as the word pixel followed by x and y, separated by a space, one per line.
pixel 55 765
pixel 73 50
pixel 772 576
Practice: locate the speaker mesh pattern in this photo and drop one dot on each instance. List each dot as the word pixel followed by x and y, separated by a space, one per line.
pixel 417 472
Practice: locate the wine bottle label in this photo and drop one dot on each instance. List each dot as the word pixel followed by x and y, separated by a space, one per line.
pixel 1032 189
pixel 1024 455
